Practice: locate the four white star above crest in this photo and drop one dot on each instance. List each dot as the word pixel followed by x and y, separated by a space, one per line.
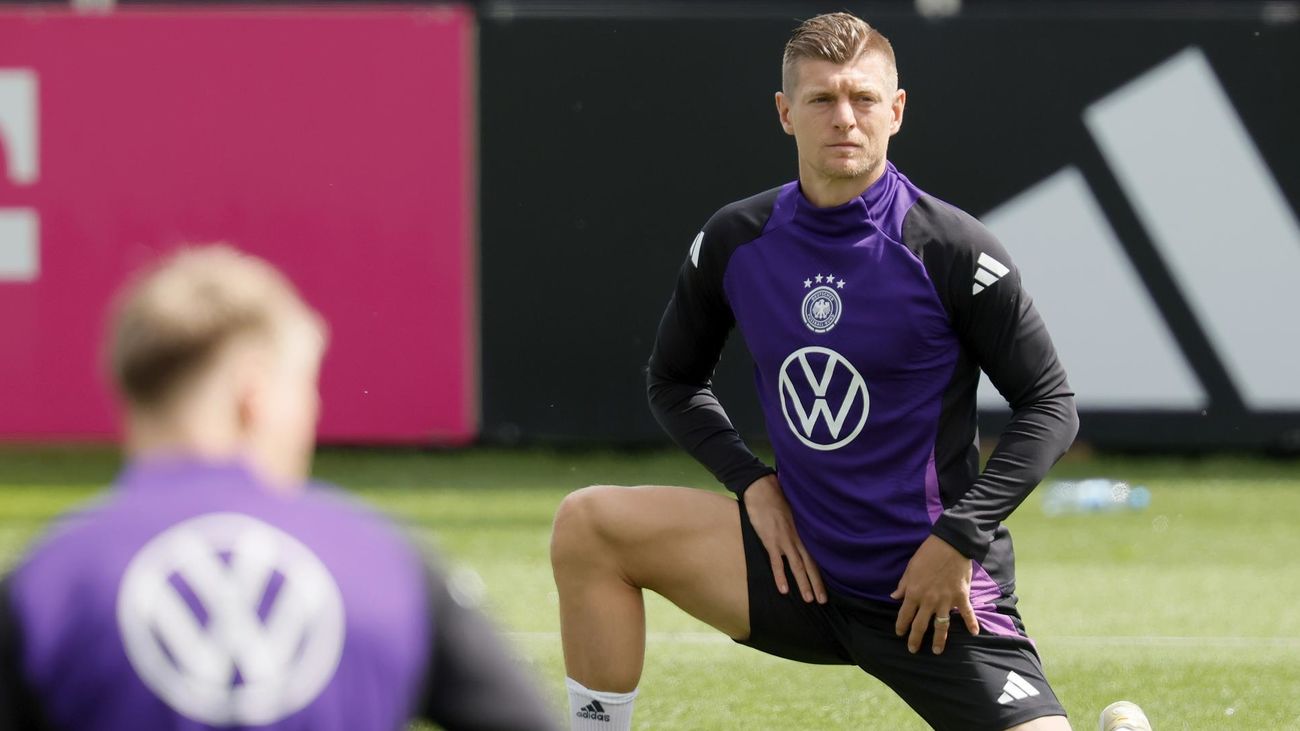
pixel 828 279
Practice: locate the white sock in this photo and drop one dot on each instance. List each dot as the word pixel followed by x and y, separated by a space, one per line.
pixel 595 710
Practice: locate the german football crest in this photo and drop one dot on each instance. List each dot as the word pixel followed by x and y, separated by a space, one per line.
pixel 822 305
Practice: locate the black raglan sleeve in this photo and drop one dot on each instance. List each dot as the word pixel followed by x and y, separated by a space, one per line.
pixel 692 332
pixel 473 683
pixel 18 707
pixel 997 323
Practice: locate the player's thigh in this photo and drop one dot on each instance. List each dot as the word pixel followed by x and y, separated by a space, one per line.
pixel 1046 723
pixel 682 543
pixel 987 682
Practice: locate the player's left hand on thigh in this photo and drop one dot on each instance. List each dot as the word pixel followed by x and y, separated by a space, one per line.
pixel 936 582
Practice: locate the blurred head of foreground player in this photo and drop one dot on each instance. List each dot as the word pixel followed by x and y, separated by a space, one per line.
pixel 215 356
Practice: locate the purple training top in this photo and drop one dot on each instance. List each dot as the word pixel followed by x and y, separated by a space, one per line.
pixel 196 597
pixel 869 324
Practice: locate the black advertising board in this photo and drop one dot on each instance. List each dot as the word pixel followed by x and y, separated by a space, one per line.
pixel 1139 165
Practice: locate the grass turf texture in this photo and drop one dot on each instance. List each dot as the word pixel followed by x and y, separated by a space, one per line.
pixel 1190 608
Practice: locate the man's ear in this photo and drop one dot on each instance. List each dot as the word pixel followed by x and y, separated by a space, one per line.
pixel 900 102
pixel 783 112
pixel 249 384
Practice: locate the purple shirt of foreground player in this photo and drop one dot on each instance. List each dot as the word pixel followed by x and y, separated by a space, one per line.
pixel 195 596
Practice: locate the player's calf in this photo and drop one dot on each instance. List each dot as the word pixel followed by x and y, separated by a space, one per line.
pixel 602 614
pixel 608 544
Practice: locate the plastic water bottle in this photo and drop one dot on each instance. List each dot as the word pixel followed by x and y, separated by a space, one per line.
pixel 1096 495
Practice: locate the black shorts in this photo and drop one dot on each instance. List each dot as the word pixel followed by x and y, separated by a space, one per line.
pixel 982 682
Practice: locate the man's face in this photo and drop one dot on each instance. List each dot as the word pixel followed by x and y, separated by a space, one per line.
pixel 842 116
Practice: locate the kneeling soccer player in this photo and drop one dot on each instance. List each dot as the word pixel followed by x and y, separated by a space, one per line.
pixel 869 308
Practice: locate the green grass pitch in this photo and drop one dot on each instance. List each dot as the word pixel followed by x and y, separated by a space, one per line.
pixel 1191 608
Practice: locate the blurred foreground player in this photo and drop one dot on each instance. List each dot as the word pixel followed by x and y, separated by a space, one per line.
pixel 214 587
pixel 869 308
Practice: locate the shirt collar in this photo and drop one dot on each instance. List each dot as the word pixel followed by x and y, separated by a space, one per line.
pixel 173 469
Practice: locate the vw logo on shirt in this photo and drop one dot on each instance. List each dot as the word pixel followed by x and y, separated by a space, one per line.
pixel 231 621
pixel 823 397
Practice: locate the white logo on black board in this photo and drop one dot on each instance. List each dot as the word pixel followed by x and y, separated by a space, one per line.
pixel 811 378
pixel 1147 132
pixel 231 621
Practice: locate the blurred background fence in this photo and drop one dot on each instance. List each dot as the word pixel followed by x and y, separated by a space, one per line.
pixel 489 201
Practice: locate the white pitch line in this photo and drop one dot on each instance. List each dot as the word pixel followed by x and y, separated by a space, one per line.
pixel 1174 641
pixel 706 638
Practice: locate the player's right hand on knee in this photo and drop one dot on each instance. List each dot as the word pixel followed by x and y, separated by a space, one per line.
pixel 770 515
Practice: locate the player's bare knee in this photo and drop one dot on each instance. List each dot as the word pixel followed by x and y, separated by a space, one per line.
pixel 577 532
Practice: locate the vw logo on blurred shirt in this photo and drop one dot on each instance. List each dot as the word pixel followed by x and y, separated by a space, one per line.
pixel 231 621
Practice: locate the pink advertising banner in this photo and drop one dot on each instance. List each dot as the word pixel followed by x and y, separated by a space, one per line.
pixel 337 143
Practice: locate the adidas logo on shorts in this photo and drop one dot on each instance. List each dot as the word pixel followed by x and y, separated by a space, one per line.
pixel 1016 689
pixel 593 711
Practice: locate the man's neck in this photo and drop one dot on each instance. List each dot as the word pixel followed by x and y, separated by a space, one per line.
pixel 151 443
pixel 149 435
pixel 824 192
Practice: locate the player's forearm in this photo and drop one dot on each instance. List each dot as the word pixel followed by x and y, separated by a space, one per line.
pixel 696 421
pixel 1035 438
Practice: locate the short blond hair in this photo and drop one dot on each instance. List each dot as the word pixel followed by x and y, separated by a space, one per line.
pixel 836 37
pixel 170 322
